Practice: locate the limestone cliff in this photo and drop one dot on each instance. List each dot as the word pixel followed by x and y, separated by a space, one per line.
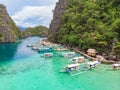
pixel 8 30
pixel 57 16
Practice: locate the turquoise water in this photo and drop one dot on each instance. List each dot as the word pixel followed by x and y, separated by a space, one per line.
pixel 24 69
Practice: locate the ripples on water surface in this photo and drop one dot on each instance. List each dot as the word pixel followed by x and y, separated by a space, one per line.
pixel 24 69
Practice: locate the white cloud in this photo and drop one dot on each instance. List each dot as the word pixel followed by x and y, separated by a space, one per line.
pixel 28 13
pixel 27 24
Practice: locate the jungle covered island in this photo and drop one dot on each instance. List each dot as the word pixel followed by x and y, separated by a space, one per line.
pixel 36 31
pixel 8 30
pixel 88 24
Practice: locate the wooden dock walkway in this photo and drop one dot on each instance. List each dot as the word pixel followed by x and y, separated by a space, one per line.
pixel 92 58
pixel 48 43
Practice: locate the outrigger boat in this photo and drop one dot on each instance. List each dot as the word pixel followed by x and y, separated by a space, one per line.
pixel 80 68
pixel 116 66
pixel 45 49
pixel 78 59
pixel 48 54
pixel 75 67
pixel 35 47
pixel 61 49
pixel 69 54
pixel 93 64
pixel 30 45
pixel 71 67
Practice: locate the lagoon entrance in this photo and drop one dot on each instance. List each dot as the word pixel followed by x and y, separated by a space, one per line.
pixel 22 68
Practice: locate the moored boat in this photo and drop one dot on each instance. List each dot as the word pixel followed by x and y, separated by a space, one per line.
pixel 61 49
pixel 68 54
pixel 30 45
pixel 48 54
pixel 35 47
pixel 44 49
pixel 93 64
pixel 71 67
pixel 75 67
pixel 116 66
pixel 78 59
pixel 33 44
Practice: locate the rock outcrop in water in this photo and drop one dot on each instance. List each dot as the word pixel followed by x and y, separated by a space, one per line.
pixel 57 16
pixel 8 30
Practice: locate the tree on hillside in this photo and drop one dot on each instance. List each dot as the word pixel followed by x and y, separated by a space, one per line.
pixel 91 24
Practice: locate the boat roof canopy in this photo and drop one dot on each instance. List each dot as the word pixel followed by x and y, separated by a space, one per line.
pixel 79 57
pixel 92 63
pixel 117 65
pixel 72 65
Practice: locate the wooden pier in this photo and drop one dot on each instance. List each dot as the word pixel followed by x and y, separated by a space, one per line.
pixel 47 43
pixel 92 58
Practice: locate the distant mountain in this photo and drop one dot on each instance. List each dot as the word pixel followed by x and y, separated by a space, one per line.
pixel 21 28
pixel 36 31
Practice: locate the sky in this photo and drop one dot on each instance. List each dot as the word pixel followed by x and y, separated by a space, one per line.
pixel 30 13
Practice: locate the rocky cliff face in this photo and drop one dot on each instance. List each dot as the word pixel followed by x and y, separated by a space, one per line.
pixel 57 16
pixel 8 30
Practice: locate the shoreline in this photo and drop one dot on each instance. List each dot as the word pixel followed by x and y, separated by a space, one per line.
pixel 47 43
pixel 92 58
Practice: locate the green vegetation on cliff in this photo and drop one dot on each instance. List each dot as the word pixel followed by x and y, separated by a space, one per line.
pixel 8 30
pixel 36 31
pixel 91 24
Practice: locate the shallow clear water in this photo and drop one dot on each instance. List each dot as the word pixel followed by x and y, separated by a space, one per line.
pixel 24 69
